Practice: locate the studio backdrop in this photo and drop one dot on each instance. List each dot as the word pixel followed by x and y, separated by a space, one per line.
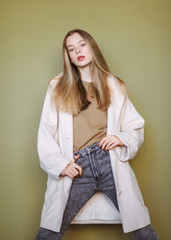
pixel 134 37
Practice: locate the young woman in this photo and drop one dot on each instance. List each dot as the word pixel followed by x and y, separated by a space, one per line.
pixel 89 130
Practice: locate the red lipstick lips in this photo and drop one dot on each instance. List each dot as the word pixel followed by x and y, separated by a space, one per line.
pixel 80 58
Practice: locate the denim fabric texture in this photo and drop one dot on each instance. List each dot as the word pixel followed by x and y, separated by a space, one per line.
pixel 97 176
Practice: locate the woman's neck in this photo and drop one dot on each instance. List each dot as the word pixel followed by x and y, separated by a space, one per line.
pixel 85 74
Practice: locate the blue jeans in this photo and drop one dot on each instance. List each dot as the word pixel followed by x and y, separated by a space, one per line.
pixel 97 176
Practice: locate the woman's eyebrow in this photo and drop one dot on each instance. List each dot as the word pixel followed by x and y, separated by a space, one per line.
pixel 78 42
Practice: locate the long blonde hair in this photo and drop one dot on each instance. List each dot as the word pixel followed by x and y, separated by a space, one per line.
pixel 69 93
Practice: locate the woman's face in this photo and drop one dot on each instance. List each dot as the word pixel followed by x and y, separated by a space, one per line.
pixel 79 51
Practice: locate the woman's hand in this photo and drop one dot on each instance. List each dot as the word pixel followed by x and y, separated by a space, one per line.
pixel 72 169
pixel 110 142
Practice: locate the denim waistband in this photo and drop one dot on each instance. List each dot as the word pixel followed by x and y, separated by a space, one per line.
pixel 93 147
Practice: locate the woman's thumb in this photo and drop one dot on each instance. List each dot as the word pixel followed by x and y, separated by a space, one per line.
pixel 75 158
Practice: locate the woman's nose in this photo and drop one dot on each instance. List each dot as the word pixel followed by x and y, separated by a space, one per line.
pixel 78 51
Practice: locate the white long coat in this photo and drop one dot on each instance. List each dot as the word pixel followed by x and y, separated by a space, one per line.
pixel 55 149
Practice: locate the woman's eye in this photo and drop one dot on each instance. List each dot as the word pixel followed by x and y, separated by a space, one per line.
pixel 71 49
pixel 83 44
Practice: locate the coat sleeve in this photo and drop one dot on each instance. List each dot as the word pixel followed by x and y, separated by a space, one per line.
pixel 52 160
pixel 131 131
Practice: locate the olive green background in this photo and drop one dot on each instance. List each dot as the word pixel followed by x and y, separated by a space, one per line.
pixel 134 37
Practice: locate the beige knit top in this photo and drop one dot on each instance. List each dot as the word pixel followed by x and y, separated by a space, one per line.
pixel 90 125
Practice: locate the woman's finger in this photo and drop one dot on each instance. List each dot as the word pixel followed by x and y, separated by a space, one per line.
pixel 77 167
pixel 74 172
pixel 104 139
pixel 69 174
pixel 112 146
pixel 75 158
pixel 111 142
pixel 73 169
pixel 103 146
